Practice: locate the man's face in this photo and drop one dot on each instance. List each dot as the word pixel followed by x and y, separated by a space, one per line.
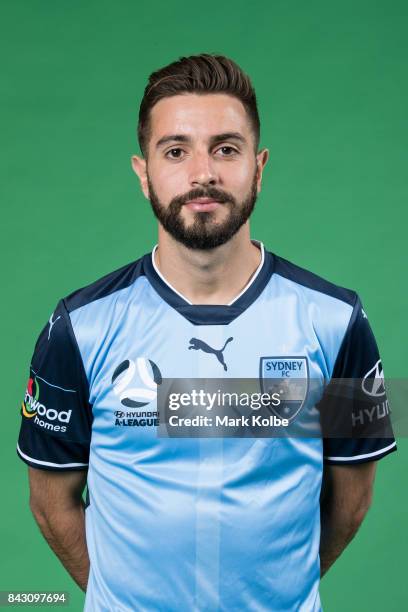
pixel 202 176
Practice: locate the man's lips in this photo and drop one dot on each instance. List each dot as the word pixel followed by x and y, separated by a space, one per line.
pixel 202 204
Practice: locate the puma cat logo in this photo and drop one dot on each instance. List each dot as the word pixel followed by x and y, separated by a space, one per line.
pixel 197 344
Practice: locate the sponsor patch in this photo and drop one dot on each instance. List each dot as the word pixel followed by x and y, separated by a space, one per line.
pixel 36 408
pixel 373 382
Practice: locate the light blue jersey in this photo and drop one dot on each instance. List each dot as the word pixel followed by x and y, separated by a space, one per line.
pixel 193 524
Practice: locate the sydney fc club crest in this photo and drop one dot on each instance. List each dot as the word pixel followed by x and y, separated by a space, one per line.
pixel 288 376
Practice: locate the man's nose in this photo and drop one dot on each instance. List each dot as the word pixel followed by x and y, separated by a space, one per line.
pixel 202 170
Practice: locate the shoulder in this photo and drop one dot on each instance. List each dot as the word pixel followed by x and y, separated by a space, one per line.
pixel 58 334
pixel 108 285
pixel 326 309
pixel 309 280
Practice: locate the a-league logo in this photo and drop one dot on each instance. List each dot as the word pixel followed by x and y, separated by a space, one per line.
pixel 135 382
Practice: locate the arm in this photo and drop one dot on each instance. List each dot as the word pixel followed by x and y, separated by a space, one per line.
pixel 345 498
pixel 57 505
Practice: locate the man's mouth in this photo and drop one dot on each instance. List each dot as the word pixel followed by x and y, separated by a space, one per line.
pixel 202 204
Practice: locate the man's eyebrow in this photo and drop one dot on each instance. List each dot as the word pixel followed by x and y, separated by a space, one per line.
pixel 227 136
pixel 213 140
pixel 172 138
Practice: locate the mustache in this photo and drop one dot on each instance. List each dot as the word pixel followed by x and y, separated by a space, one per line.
pixel 210 192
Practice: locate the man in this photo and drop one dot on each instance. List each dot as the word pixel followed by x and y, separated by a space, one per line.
pixel 196 523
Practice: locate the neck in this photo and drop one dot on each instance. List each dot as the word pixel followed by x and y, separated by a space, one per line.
pixel 208 277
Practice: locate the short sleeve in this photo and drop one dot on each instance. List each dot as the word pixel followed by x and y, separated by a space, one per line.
pixel 354 410
pixel 56 417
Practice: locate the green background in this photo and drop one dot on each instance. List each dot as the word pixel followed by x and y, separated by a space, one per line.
pixel 331 80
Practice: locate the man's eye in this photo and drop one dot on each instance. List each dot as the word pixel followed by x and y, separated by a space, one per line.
pixel 227 151
pixel 174 153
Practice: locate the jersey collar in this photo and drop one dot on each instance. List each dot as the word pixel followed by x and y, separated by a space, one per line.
pixel 209 314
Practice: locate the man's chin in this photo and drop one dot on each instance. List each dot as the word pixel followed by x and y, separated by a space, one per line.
pixel 201 244
pixel 204 239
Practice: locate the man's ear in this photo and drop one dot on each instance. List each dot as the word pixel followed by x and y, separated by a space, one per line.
pixel 140 168
pixel 261 159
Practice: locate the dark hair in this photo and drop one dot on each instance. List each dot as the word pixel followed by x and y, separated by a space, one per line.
pixel 200 74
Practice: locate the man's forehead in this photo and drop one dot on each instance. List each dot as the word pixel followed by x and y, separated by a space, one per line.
pixel 205 114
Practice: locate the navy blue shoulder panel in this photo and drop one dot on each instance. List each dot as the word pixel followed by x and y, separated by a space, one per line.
pixel 110 283
pixel 299 275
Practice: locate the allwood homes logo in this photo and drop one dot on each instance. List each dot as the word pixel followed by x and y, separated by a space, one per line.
pixel 32 408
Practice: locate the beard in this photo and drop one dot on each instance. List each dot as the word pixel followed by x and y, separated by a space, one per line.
pixel 203 233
